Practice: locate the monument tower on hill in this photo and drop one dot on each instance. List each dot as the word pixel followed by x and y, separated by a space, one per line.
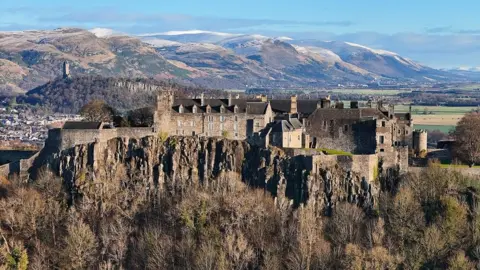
pixel 66 70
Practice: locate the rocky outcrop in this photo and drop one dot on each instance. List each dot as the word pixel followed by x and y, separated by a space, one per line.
pixel 186 162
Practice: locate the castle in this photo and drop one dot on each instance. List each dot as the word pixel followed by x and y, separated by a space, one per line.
pixel 366 139
pixel 292 123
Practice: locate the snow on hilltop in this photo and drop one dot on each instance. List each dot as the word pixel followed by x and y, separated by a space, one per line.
pixel 382 52
pixel 188 32
pixel 103 32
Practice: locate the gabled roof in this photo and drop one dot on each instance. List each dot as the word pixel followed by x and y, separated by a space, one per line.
pixel 257 107
pixel 304 106
pixel 243 106
pixel 82 125
pixel 286 125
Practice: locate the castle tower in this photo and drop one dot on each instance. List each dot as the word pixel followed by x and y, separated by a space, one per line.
pixel 419 141
pixel 163 112
pixel 66 70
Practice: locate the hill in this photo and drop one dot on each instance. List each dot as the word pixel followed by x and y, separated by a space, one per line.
pixel 69 95
pixel 31 58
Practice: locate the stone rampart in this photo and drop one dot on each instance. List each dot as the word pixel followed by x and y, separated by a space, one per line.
pixel 67 138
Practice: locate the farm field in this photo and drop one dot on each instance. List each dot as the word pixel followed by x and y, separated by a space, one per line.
pixel 369 92
pixel 442 128
pixel 419 110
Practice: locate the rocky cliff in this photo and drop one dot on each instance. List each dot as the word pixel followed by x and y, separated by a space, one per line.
pixel 177 163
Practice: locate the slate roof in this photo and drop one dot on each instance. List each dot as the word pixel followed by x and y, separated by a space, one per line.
pixel 216 105
pixel 286 125
pixel 82 125
pixel 304 106
pixel 348 114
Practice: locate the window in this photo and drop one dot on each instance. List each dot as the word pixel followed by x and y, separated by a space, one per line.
pixel 383 123
pixel 192 123
pixel 209 110
pixel 222 109
pixel 236 118
pixel 193 133
pixel 221 126
pixel 257 124
pixel 382 150
pixel 180 109
pixel 406 132
pixel 236 134
pixel 210 118
pixel 179 123
pixel 324 123
pixel 345 128
pixel 235 126
pixel 382 140
pixel 194 110
pixel 235 109
pixel 222 118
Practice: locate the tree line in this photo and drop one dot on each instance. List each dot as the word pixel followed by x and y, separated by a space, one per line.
pixel 425 221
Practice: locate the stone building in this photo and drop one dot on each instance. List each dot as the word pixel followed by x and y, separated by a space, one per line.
pixel 359 130
pixel 232 118
pixel 286 133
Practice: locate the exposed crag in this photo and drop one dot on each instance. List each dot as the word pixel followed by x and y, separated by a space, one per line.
pixel 176 163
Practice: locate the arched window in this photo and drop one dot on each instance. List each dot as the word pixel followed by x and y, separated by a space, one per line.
pixel 222 109
pixel 180 109
pixel 194 110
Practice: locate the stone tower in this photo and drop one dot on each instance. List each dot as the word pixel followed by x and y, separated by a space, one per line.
pixel 163 112
pixel 66 70
pixel 419 141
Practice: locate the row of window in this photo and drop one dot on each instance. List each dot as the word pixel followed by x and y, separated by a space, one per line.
pixel 181 109
pixel 208 133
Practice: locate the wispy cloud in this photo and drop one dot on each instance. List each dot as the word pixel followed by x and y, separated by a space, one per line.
pixel 451 30
pixel 174 21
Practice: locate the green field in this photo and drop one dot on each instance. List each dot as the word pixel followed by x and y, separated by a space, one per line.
pixel 444 129
pixel 435 109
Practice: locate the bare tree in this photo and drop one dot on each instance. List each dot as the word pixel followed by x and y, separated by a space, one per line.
pixel 98 111
pixel 467 139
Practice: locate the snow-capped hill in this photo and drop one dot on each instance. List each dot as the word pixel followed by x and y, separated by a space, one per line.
pixel 104 32
pixel 159 43
pixel 190 36
pixel 284 38
pixel 189 32
pixel 377 51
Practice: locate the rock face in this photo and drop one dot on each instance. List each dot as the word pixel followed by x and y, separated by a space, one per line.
pixel 187 162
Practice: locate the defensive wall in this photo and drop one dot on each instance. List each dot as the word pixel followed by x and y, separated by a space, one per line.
pixel 66 138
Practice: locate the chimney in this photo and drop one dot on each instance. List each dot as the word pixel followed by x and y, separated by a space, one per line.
pixel 264 98
pixel 353 104
pixel 325 103
pixel 202 99
pixel 229 99
pixel 293 104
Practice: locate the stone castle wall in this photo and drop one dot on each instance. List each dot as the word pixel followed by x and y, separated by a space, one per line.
pixel 67 138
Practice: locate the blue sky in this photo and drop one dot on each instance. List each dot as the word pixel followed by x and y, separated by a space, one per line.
pixel 416 28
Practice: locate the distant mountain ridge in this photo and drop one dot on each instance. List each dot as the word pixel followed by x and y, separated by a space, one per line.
pixel 205 58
